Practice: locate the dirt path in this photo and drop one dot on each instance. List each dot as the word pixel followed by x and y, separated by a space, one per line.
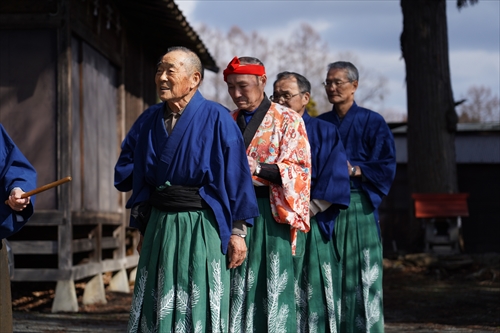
pixel 114 323
pixel 422 294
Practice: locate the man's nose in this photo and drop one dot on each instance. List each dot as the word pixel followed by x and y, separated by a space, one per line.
pixel 163 76
pixel 237 93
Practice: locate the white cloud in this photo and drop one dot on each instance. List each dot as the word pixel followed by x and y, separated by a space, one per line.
pixel 370 30
pixel 474 68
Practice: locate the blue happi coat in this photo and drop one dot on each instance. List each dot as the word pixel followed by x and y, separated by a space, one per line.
pixel 205 149
pixel 369 144
pixel 330 179
pixel 15 171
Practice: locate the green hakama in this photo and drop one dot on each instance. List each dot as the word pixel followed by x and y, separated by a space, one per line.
pixel 317 283
pixel 262 288
pixel 360 247
pixel 182 282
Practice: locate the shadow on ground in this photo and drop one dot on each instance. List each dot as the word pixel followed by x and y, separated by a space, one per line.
pixel 422 293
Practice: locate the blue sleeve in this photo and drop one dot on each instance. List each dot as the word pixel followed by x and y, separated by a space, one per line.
pixel 232 181
pixel 330 176
pixel 379 169
pixel 332 180
pixel 125 165
pixel 16 171
pixel 238 181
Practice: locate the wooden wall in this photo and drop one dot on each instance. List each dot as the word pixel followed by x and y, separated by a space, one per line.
pixel 28 103
pixel 74 76
pixel 95 106
pixel 62 98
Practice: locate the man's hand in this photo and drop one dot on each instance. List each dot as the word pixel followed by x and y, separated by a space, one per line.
pixel 236 251
pixel 139 246
pixel 357 173
pixel 16 202
pixel 252 164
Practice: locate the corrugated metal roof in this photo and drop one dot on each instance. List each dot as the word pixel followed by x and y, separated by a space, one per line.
pixel 163 23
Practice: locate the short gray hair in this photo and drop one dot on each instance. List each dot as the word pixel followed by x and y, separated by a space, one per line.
pixel 250 61
pixel 193 61
pixel 352 71
pixel 303 83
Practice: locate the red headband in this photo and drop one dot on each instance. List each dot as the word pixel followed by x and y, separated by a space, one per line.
pixel 234 68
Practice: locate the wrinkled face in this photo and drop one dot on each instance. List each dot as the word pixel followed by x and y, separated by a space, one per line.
pixel 173 82
pixel 246 90
pixel 286 92
pixel 338 87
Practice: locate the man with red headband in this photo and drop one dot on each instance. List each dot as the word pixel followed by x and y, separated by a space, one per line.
pixel 279 159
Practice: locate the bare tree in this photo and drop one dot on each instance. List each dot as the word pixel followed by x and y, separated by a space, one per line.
pixel 284 52
pixel 310 56
pixel 479 105
pixel 223 47
pixel 303 52
pixel 213 87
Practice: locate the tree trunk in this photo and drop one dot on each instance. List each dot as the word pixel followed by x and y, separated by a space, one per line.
pixel 431 111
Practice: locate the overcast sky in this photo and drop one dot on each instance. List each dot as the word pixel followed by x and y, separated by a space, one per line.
pixel 369 29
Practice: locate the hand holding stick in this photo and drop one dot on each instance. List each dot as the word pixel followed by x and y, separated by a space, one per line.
pixel 44 188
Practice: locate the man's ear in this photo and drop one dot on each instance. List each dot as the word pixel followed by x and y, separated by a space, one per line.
pixel 306 97
pixel 263 79
pixel 195 80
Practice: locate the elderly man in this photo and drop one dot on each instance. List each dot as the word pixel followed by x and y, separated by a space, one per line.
pixel 371 163
pixel 16 175
pixel 317 269
pixel 279 159
pixel 190 167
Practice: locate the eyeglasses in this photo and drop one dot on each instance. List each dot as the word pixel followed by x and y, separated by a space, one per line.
pixel 334 83
pixel 285 97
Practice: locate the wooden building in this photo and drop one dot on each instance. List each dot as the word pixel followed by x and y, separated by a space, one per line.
pixel 74 75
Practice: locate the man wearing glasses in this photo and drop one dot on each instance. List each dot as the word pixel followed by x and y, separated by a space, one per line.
pixel 371 163
pixel 318 265
pixel 263 298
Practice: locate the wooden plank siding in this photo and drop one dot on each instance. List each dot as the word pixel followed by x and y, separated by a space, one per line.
pixel 77 273
pixel 98 148
pixel 28 94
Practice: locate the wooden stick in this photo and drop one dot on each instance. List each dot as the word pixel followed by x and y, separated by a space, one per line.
pixel 44 188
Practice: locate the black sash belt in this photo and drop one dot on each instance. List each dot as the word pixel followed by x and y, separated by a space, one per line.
pixel 177 198
pixel 261 191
